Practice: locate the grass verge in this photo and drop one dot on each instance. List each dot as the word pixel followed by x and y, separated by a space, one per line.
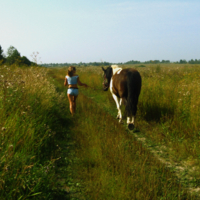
pixel 32 123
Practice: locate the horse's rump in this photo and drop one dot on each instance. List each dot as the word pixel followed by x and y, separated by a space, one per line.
pixel 134 86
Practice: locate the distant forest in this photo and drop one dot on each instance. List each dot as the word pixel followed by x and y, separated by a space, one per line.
pixel 126 63
pixel 13 56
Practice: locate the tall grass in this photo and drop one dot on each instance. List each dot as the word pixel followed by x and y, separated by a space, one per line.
pixel 169 105
pixel 29 117
pixel 170 99
pixel 112 164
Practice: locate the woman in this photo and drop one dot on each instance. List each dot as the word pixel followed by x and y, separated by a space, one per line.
pixel 72 79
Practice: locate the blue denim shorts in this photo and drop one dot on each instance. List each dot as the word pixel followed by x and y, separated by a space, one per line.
pixel 72 91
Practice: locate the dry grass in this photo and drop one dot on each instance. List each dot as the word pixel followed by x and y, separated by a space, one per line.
pixel 113 165
pixel 168 116
pixel 28 107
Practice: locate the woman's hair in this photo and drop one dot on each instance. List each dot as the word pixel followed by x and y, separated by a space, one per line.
pixel 71 70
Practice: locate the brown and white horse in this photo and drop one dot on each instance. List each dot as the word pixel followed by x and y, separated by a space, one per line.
pixel 124 84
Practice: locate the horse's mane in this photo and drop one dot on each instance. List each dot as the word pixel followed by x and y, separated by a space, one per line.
pixel 116 69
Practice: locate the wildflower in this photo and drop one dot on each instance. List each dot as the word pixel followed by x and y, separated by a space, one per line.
pixel 10 147
pixel 3 129
pixel 28 107
pixel 187 93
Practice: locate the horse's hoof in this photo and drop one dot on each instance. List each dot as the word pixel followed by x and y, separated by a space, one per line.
pixel 120 121
pixel 131 126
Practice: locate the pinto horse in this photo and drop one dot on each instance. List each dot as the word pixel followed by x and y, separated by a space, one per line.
pixel 124 84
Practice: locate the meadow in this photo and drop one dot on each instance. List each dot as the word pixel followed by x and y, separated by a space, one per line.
pixel 31 125
pixel 47 154
pixel 167 125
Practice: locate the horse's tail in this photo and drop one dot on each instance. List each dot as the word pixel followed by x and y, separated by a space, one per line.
pixel 134 83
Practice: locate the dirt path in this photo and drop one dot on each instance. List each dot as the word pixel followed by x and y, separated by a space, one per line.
pixel 182 169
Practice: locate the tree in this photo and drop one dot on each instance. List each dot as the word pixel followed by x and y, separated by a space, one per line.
pixel 165 61
pixel 183 61
pixel 2 58
pixel 25 60
pixel 132 62
pixel 12 55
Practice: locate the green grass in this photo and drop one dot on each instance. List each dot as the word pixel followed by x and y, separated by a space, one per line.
pixel 161 120
pixel 168 109
pixel 113 165
pixel 46 154
pixel 31 125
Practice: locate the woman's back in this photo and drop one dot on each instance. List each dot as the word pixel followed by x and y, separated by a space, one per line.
pixel 72 80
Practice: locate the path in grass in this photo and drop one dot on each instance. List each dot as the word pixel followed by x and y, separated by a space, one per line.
pixel 185 173
pixel 102 160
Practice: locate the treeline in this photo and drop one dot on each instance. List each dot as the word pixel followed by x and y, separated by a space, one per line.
pixel 190 61
pixel 13 56
pixel 126 63
pixel 147 62
pixel 76 64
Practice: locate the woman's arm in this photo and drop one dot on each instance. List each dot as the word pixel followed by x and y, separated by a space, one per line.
pixel 65 82
pixel 81 84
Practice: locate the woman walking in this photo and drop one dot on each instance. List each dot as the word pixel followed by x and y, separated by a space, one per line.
pixel 72 80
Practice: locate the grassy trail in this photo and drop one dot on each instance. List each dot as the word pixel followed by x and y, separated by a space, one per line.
pixel 106 161
pixel 47 154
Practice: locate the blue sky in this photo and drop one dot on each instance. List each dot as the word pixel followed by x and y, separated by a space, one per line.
pixel 102 30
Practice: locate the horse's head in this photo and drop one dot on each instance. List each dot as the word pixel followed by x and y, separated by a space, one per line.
pixel 107 77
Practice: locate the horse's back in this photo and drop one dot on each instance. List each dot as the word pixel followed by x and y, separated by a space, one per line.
pixel 122 79
pixel 124 74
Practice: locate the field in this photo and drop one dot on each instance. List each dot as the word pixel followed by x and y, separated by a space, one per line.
pixel 91 155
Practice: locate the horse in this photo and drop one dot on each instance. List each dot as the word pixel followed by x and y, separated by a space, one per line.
pixel 124 84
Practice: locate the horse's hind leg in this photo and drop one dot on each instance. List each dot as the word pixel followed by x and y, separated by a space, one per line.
pixel 130 122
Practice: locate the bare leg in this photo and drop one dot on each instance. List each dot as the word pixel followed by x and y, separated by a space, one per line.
pixel 72 103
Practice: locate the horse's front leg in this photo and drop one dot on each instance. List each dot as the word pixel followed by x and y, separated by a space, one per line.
pixel 118 104
pixel 119 115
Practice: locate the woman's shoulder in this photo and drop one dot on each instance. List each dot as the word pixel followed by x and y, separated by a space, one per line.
pixel 75 75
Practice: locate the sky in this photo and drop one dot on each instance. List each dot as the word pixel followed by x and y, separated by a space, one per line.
pixel 75 31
